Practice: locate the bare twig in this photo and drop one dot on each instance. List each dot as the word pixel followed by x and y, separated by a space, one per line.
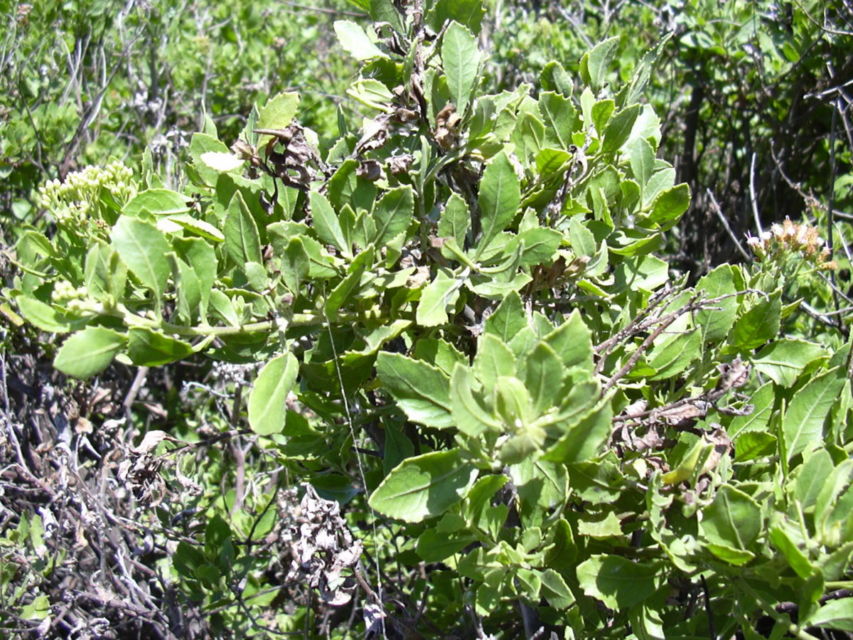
pixel 664 325
pixel 753 197
pixel 722 217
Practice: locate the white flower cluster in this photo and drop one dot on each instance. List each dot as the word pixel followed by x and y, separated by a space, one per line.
pixel 788 238
pixel 77 200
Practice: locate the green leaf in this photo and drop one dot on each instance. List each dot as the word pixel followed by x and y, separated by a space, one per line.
pixel 44 316
pixel 222 305
pixel 539 245
pixel 835 614
pixel 342 293
pixel 277 113
pixel 267 409
pixel 198 227
pixel 478 501
pixel 811 478
pixel 393 214
pixel 672 356
pixel 555 590
pixel 200 145
pixel 461 60
pixel 493 359
pixel 157 202
pixel 619 128
pixel 512 401
pixel 439 353
pixel 148 348
pixel 38 609
pixel 732 520
pixel 220 161
pixel 802 425
pixel 572 342
pixel 601 112
pixel 669 205
pixel 560 118
pixel 424 486
pixel 644 272
pixel 379 336
pixel 455 220
pixel 355 41
pixel 371 93
pixel 543 373
pixel 435 546
pixel 642 160
pixel 715 323
pixel 762 407
pixel 832 505
pixel 326 223
pixel 606 527
pixel 88 352
pixel 201 258
pixel 528 135
pixel 784 360
pixel 143 249
pixel 581 238
pixel 499 198
pixel 551 163
pixel 242 242
pixel 555 78
pixel 187 289
pixel 466 12
pixel 508 319
pixel 384 11
pixel 421 390
pixel 584 439
pixel 435 298
pixel 798 561
pixel 758 325
pixel 618 582
pixel 594 64
pixel 468 413
pixel 750 445
pixel 659 181
pixel 295 265
pixel 599 482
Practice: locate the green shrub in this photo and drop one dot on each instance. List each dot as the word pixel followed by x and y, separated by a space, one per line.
pixel 468 286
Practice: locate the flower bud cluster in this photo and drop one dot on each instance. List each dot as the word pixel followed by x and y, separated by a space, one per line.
pixel 790 238
pixel 74 299
pixel 77 200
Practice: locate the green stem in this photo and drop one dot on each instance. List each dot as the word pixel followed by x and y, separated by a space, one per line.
pixel 297 320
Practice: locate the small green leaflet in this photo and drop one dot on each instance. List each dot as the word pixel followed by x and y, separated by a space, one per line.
pixel 393 214
pixel 435 298
pixel 143 249
pixel 151 349
pixel 421 390
pixel 424 486
pixel 499 198
pixel 803 422
pixel 326 223
pixel 88 352
pixel 461 60
pixel 267 409
pixel 242 242
pixel 356 42
pixel 618 582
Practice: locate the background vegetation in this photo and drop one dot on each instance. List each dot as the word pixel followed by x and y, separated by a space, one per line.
pixel 159 499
